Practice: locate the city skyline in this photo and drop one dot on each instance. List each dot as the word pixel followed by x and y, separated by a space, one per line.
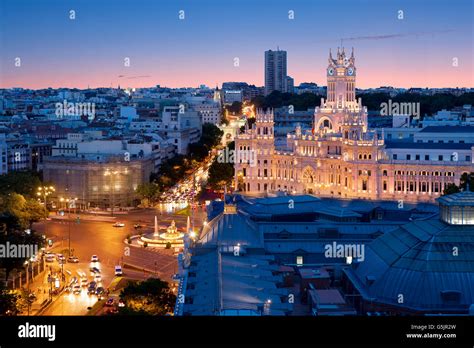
pixel 168 51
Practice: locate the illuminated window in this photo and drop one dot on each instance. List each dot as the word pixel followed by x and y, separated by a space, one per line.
pixel 299 260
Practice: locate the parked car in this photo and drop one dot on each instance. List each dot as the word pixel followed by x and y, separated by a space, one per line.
pixel 137 226
pixel 99 291
pixel 110 302
pixel 97 278
pixel 118 270
pixel 94 258
pixel 119 224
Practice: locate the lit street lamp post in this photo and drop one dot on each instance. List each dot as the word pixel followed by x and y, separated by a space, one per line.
pixel 45 191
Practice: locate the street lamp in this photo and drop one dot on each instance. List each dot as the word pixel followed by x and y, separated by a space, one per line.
pixel 45 191
pixel 71 202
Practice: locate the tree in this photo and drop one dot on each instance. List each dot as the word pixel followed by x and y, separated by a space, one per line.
pixel 27 211
pixel 17 237
pixel 22 182
pixel 148 192
pixel 8 301
pixel 235 108
pixel 450 189
pixel 211 135
pixel 464 181
pixel 150 297
pixel 220 174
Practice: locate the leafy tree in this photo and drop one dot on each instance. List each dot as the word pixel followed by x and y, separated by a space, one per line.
pixel 22 182
pixel 235 108
pixel 429 104
pixel 27 211
pixel 150 297
pixel 148 192
pixel 211 135
pixel 220 174
pixel 8 301
pixel 450 189
pixel 13 236
pixel 465 179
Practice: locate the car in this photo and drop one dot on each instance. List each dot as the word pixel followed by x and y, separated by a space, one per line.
pixel 60 257
pixel 118 270
pixel 73 259
pixel 49 258
pixel 62 261
pixel 97 278
pixel 76 289
pixel 119 224
pixel 92 288
pixel 94 270
pixel 121 303
pixel 99 291
pixel 84 282
pixel 137 226
pixel 110 302
pixel 94 258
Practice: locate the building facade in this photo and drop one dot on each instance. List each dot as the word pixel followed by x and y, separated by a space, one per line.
pixel 104 182
pixel 275 71
pixel 342 157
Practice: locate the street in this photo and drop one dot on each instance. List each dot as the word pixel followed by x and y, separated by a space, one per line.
pixel 101 238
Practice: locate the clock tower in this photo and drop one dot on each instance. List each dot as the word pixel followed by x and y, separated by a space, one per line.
pixel 341 74
pixel 341 112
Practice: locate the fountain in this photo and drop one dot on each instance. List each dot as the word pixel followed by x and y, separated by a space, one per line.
pixel 160 240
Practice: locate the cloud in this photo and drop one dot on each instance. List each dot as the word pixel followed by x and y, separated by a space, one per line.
pixel 393 36
pixel 134 77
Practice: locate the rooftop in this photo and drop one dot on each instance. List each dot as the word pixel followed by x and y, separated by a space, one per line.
pixel 448 129
pixel 426 146
pixel 464 198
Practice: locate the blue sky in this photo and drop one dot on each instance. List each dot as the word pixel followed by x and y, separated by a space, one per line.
pixel 90 50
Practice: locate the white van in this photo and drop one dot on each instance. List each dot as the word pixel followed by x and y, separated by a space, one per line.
pixel 118 270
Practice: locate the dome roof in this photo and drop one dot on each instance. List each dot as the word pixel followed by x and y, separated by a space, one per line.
pixel 464 198
pixel 430 263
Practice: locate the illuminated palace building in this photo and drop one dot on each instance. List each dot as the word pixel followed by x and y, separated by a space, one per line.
pixel 342 157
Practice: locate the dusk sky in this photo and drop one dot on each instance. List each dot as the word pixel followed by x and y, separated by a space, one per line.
pixel 90 50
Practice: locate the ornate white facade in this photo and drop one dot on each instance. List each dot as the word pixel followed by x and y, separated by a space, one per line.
pixel 341 157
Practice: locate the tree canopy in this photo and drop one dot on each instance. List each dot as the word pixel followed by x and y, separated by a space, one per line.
pixel 26 211
pixel 465 179
pixel 22 182
pixel 150 297
pixel 149 193
pixel 221 173
pixel 429 104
